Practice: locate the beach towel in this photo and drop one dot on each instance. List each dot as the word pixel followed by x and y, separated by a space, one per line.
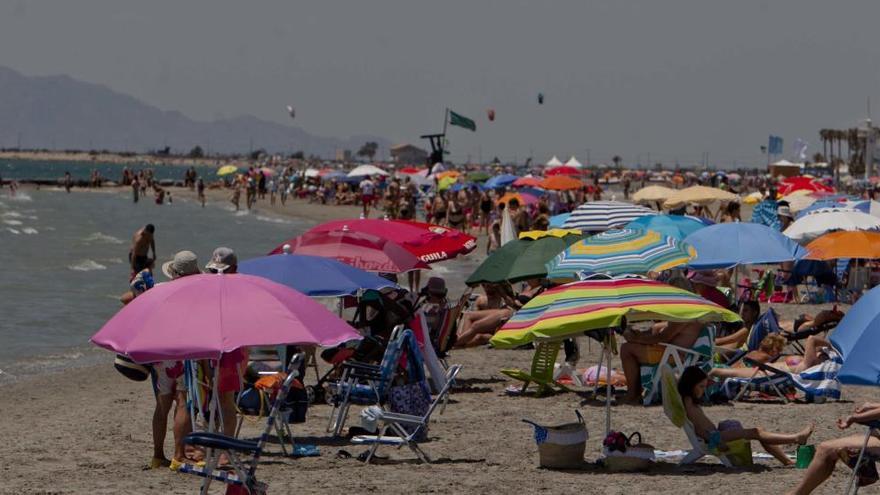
pixel 818 381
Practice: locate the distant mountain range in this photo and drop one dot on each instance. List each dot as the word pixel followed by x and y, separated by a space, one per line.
pixel 58 112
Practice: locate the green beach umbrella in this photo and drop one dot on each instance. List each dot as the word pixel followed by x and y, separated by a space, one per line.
pixel 524 258
pixel 478 176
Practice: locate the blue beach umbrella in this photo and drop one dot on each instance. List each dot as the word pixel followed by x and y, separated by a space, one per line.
pixel 676 226
pixel 556 221
pixel 857 339
pixel 726 245
pixel 502 180
pixel 312 275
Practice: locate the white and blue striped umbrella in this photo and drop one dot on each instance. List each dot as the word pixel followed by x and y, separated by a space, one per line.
pixel 598 216
pixel 618 252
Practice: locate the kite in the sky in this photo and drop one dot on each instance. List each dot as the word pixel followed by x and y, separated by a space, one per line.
pixel 291 111
pixel 491 114
pixel 540 98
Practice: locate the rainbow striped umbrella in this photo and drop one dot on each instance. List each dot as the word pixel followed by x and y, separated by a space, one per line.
pixel 569 310
pixel 618 252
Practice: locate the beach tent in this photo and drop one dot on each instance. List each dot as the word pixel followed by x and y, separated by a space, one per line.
pixel 554 162
pixel 573 162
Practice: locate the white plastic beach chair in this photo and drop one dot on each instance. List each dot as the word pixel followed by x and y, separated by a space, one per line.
pixel 398 423
pixel 673 407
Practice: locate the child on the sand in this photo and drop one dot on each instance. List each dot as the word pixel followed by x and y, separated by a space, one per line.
pixel 692 387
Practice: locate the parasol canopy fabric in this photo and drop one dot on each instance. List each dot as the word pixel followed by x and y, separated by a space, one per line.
pixel 726 245
pixel 561 183
pixel 825 220
pixel 523 198
pixel 651 194
pixel 857 339
pixel 523 258
pixel 676 226
pixel 845 244
pixel 619 252
pixel 698 195
pixel 205 316
pixel 802 183
pixel 597 216
pixel 527 182
pixel 314 276
pixel 366 170
pixel 429 242
pixel 561 170
pixel 570 309
pixel 497 181
pixel 358 249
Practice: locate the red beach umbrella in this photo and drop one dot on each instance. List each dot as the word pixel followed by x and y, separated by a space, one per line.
pixel 428 242
pixel 360 250
pixel 562 170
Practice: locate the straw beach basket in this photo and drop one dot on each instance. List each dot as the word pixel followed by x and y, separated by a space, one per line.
pixel 562 446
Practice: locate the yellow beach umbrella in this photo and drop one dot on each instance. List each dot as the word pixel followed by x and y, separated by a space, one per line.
pixel 227 169
pixel 698 195
pixel 652 193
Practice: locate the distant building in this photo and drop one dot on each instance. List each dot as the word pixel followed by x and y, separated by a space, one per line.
pixel 343 155
pixel 407 154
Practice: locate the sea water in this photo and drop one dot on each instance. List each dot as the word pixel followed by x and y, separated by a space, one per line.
pixel 64 264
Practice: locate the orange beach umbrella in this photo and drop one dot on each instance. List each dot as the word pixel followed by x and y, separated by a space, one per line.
pixel 561 183
pixel 845 244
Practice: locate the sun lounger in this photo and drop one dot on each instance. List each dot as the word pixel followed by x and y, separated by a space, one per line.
pixel 243 473
pixel 818 381
pixel 679 358
pixel 765 325
pixel 542 371
pixel 404 428
pixel 673 407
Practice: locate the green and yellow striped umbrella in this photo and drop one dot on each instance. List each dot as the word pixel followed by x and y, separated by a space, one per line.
pixel 569 310
pixel 619 252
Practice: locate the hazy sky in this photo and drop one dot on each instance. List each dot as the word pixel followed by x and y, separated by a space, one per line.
pixel 670 78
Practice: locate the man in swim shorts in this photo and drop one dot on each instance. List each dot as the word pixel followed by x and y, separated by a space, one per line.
pixel 647 348
pixel 141 244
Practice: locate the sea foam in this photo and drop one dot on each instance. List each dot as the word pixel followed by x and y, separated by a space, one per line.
pixel 86 266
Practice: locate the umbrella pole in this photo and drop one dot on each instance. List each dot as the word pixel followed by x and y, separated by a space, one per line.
pixel 606 344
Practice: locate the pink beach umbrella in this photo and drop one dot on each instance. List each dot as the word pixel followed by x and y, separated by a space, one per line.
pixel 204 316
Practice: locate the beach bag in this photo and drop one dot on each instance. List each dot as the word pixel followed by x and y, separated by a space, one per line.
pixel 561 446
pixel 131 369
pixel 624 454
pixel 412 399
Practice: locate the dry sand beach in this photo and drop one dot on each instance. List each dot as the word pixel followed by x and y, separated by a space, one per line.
pixel 87 430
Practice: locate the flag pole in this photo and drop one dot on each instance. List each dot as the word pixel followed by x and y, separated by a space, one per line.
pixel 445 121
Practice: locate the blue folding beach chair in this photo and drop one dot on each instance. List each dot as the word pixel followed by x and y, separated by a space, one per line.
pixel 819 382
pixel 365 384
pixel 243 473
pixel 766 324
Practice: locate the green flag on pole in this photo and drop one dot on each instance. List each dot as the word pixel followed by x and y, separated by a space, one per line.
pixel 461 121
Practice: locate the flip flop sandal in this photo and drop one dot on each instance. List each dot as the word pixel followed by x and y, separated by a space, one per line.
pixel 343 454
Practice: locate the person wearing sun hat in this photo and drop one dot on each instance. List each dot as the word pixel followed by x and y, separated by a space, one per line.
pixel 184 263
pixel 223 260
pixel 705 283
pixel 783 213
